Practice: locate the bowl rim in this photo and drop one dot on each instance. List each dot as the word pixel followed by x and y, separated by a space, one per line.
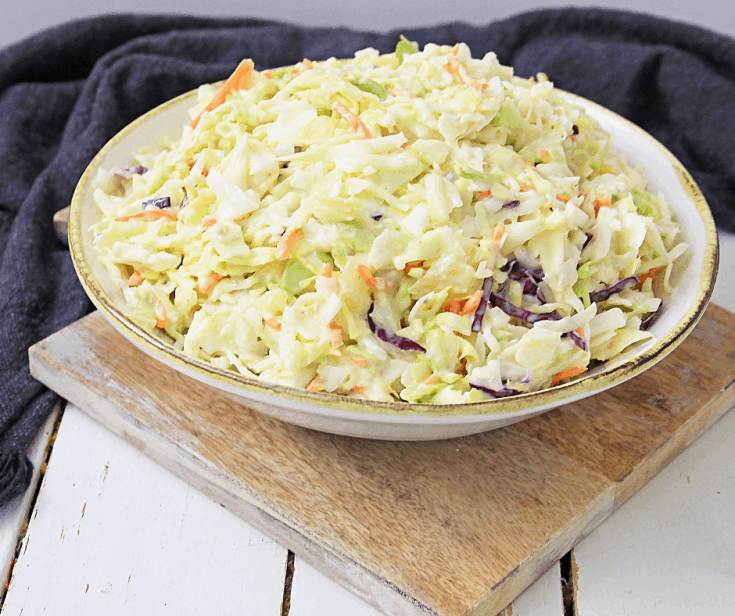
pixel 519 405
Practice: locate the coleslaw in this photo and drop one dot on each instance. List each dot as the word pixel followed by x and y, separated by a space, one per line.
pixel 419 226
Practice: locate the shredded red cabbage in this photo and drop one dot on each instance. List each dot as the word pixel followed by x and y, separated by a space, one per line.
pixel 530 277
pixel 499 300
pixel 384 334
pixel 646 323
pixel 487 289
pixel 131 171
pixel 578 340
pixel 161 203
pixel 511 205
pixel 575 129
pixel 587 241
pixel 496 393
pixel 621 285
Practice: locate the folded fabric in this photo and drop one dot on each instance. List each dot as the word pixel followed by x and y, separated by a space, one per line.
pixel 66 91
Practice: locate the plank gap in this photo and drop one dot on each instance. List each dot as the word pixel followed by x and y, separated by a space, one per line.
pixel 43 465
pixel 568 568
pixel 288 583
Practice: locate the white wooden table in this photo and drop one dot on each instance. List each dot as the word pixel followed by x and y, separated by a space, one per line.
pixel 111 532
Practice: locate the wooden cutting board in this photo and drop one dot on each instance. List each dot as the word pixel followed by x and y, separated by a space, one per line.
pixel 456 527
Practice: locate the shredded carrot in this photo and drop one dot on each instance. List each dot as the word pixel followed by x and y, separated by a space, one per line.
pixel 360 362
pixel 562 198
pixel 567 374
pixel 359 389
pixel 239 80
pixel 367 275
pixel 355 123
pixel 286 243
pixel 135 279
pixel 650 274
pixel 580 332
pixel 335 335
pixel 160 314
pixel 498 233
pixel 484 193
pixel 472 303
pixel 600 203
pixel 327 271
pixel 455 306
pixel 272 321
pixel 545 153
pixel 461 367
pixel 149 214
pixel 316 384
pixel 268 74
pixel 410 266
pixel 205 172
pixel 455 66
pixel 191 162
pixel 209 221
pixel 206 284
pixel 526 189
pixel 306 65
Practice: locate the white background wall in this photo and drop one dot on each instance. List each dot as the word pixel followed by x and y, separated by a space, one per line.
pixel 20 18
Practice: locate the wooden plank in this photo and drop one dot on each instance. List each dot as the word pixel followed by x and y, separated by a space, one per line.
pixel 112 533
pixel 14 514
pixel 314 594
pixel 670 551
pixel 451 527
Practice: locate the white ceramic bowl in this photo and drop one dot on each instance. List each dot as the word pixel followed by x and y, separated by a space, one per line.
pixel 397 420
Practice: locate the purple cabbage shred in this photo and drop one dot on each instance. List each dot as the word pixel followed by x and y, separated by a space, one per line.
pixel 578 340
pixel 621 285
pixel 575 129
pixel 511 205
pixel 487 289
pixel 646 323
pixel 499 300
pixel 496 393
pixel 161 203
pixel 384 334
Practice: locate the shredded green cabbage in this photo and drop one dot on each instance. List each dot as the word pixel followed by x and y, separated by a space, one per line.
pixel 333 227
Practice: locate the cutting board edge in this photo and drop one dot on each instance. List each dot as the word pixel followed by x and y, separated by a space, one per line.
pixel 658 459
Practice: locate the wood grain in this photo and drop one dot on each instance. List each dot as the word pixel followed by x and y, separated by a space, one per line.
pixel 456 527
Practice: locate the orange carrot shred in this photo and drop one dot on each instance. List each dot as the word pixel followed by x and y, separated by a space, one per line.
pixel 286 243
pixel 484 193
pixel 206 284
pixel 335 334
pixel 562 198
pixel 363 363
pixel 455 306
pixel 568 373
pixel 239 80
pixel 272 321
pixel 355 122
pixel 359 389
pixel 160 314
pixel 600 203
pixel 327 271
pixel 580 332
pixel 268 74
pixel 367 275
pixel 498 233
pixel 316 384
pixel 209 221
pixel 472 303
pixel 191 162
pixel 149 214
pixel 135 279
pixel 545 153
pixel 650 274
